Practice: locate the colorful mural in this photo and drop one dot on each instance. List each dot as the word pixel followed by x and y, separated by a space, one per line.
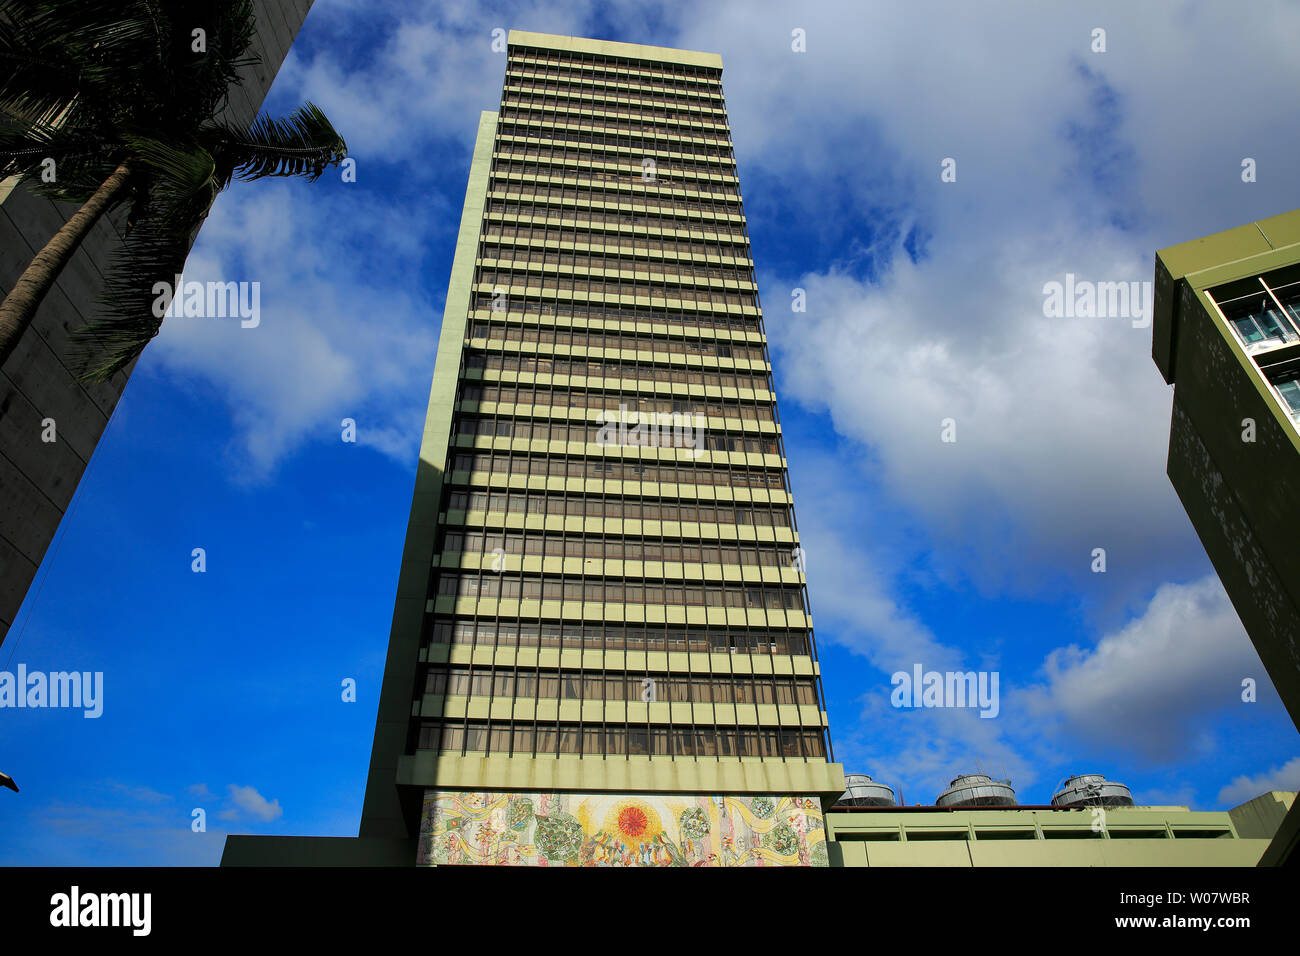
pixel 593 829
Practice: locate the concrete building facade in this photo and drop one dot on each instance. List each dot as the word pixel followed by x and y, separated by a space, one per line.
pixel 1226 335
pixel 1052 836
pixel 601 650
pixel 38 478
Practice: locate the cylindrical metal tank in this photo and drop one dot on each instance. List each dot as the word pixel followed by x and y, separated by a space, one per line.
pixel 1092 790
pixel 977 790
pixel 862 791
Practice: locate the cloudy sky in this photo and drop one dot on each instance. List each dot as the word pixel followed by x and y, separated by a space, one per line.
pixel 924 303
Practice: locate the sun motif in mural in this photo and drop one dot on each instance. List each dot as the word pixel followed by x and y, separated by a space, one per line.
pixel 633 821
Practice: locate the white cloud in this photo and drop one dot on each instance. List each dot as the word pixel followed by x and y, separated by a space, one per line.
pixel 1062 423
pixel 848 583
pixel 334 340
pixel 1148 686
pixel 252 803
pixel 432 74
pixel 918 752
pixel 1286 778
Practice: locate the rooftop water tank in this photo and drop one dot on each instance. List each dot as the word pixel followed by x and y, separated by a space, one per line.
pixel 1092 790
pixel 862 791
pixel 977 790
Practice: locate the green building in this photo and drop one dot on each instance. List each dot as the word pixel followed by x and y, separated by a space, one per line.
pixel 601 649
pixel 1226 335
pixel 1055 836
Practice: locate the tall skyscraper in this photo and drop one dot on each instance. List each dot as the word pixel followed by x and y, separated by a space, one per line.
pixel 601 651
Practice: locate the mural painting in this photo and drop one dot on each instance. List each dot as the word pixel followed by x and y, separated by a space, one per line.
pixel 585 829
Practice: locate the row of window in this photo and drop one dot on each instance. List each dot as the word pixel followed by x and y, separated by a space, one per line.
pixel 1266 318
pixel 617 470
pixel 710 103
pixel 563 105
pixel 680 431
pixel 572 311
pixel 511 394
pixel 502 586
pixel 536 739
pixel 579 219
pixel 615 72
pixel 511 241
pixel 555 122
pixel 587 286
pixel 533 258
pixel 594 151
pixel 555 545
pixel 643 175
pixel 532 684
pixel 648 138
pixel 569 337
pixel 539 143
pixel 549 63
pixel 590 95
pixel 595 506
pixel 589 157
pixel 625 194
pixel 495 633
pixel 627 371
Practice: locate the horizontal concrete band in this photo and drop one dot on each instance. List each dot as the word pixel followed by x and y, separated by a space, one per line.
pixel 629 51
pixel 635 774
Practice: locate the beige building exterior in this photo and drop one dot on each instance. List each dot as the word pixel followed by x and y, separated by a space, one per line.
pixel 601 649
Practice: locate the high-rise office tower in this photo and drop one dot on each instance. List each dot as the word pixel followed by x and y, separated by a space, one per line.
pixel 601 651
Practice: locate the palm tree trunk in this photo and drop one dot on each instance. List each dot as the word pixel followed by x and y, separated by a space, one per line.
pixel 20 305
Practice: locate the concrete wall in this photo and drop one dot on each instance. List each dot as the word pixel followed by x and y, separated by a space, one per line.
pixel 1260 818
pixel 38 479
pixel 1021 836
pixel 1236 493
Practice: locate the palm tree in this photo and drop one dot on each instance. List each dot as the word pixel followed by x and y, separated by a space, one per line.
pixel 118 100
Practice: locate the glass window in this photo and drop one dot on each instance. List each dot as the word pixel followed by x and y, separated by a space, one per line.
pixel 1257 320
pixel 1289 388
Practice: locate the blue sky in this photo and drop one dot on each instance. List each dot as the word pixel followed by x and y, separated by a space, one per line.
pixel 222 689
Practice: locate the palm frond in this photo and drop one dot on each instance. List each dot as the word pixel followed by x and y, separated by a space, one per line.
pixel 81 162
pixel 182 179
pixel 126 322
pixel 302 144
pixel 101 82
